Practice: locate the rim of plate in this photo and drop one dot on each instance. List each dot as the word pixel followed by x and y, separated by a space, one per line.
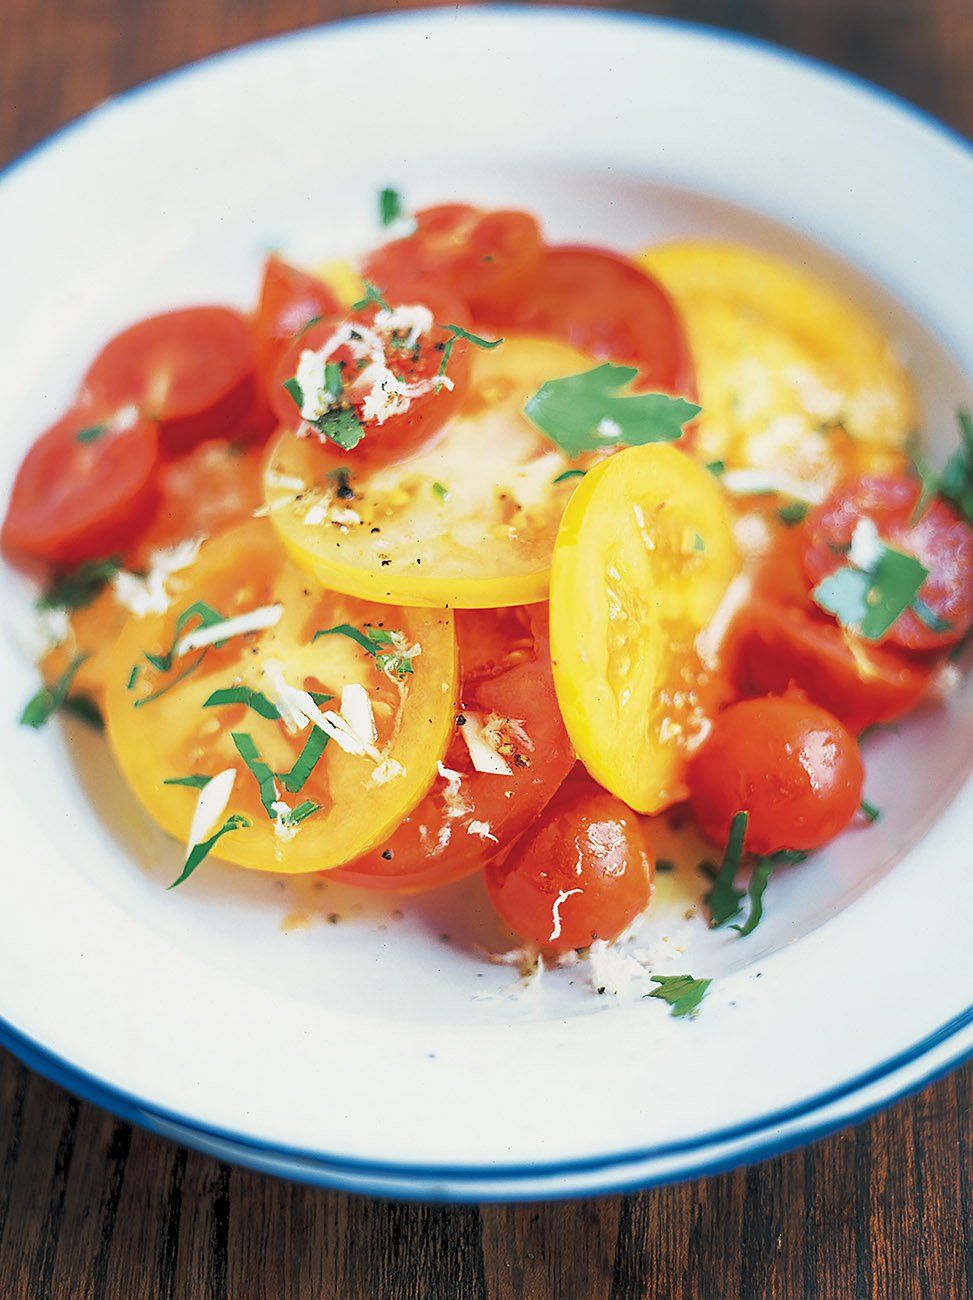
pixel 767 1134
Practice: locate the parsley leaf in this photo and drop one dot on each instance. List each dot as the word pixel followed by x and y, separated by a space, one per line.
pixel 456 333
pixel 259 770
pixel 173 681
pixel 681 992
pixel 207 615
pixel 763 869
pixel 585 412
pixel 569 473
pixel 40 708
pixel 301 813
pixel 870 811
pixel 314 747
pixel 199 851
pixel 194 782
pixel 340 426
pixel 372 640
pixel 868 602
pixel 441 491
pixel 389 206
pixel 793 513
pixel 372 295
pixel 716 467
pixel 255 700
pixel 723 898
pixel 91 434
pixel 956 480
pixel 79 587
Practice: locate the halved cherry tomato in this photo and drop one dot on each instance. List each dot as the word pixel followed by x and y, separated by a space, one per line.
pixel 486 258
pixel 468 817
pixel 480 539
pixel 789 764
pixel 75 500
pixel 160 725
pixel 398 435
pixel 643 559
pixel 192 371
pixel 940 539
pixel 778 645
pixel 583 871
pixel 606 306
pixel 289 300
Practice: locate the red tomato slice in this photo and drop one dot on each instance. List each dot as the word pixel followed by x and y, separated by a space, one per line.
pixel 483 257
pixel 192 371
pixel 398 436
pixel 605 305
pixel 506 669
pixel 940 539
pixel 779 645
pixel 289 300
pixel 77 500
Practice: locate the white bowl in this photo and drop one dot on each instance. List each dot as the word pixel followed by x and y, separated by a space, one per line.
pixel 358 1054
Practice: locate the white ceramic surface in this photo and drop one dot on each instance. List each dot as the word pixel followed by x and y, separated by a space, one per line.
pixel 362 1052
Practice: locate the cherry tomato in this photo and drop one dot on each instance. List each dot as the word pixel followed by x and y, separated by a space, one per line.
pixel 583 871
pixel 485 258
pixel 192 371
pixel 399 435
pixel 606 306
pixel 470 817
pixel 289 300
pixel 778 645
pixel 788 763
pixel 76 500
pixel 940 539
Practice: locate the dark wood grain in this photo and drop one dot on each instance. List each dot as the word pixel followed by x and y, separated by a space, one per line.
pixel 92 1209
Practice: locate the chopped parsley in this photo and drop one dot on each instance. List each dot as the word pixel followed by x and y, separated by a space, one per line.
pixel 194 782
pixel 870 811
pixel 441 491
pixel 569 473
pixel 199 851
pixel 78 587
pixel 929 616
pixel 91 433
pixel 372 295
pixel 208 617
pixel 698 543
pixel 391 662
pixel 389 206
pixel 763 869
pixel 868 601
pixel 314 747
pixel 456 332
pixel 723 898
pixel 717 467
pixel 586 412
pixel 956 480
pixel 681 992
pixel 339 425
pixel 85 710
pixel 795 512
pixel 42 706
pixel 255 700
pixel 259 770
pixel 173 681
pixel 301 813
pixel 133 677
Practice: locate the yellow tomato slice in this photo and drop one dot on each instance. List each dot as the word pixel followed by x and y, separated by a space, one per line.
pixel 470 523
pixel 643 559
pixel 793 377
pixel 361 797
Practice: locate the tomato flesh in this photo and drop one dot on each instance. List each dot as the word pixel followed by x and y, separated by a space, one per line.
pixel 485 258
pixel 940 539
pixel 74 501
pixel 792 766
pixel 606 306
pixel 192 371
pixel 289 300
pixel 582 872
pixel 505 670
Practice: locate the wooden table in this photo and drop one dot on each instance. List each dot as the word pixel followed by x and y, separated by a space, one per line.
pixel 91 1208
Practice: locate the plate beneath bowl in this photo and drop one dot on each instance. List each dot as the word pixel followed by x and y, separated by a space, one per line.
pixel 377 1050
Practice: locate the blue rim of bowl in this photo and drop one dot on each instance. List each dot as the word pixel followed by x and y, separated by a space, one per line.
pixel 417 1181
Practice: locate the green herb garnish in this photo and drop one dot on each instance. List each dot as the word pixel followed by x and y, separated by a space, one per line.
pixel 795 512
pixel 79 587
pixel 199 851
pixel 372 295
pixel 870 811
pixel 717 467
pixel 956 480
pixel 42 706
pixel 763 869
pixel 373 639
pixel 133 677
pixel 441 491
pixel 681 992
pixel 586 412
pixel 868 601
pixel 259 770
pixel 173 681
pixel 85 710
pixel 255 700
pixel 456 332
pixel 569 473
pixel 208 617
pixel 91 434
pixel 929 616
pixel 389 206
pixel 314 747
pixel 194 782
pixel 723 898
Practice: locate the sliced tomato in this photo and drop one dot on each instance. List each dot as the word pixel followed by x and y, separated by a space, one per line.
pixel 643 559
pixel 939 538
pixel 606 306
pixel 192 371
pixel 777 645
pixel 485 258
pixel 290 299
pixel 85 487
pixel 468 523
pixel 391 437
pixel 468 817
pixel 163 723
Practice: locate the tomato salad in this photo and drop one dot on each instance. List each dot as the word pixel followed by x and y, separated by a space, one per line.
pixel 485 553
